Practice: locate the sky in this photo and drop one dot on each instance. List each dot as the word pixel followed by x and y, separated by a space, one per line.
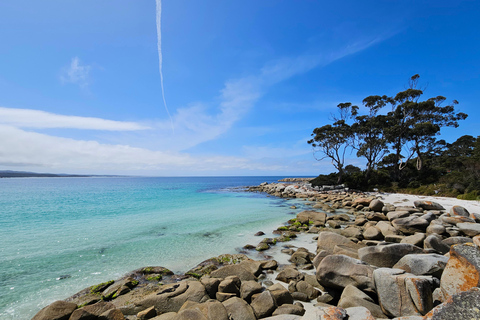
pixel 245 82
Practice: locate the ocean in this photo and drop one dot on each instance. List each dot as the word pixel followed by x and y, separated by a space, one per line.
pixel 60 235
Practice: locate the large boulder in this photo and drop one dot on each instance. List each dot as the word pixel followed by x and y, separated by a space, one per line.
pixel 359 313
pixel 288 274
pixel 249 288
pixel 338 271
pixel 233 270
pixel 428 205
pixel 410 225
pixel 401 294
pixel 434 242
pixel 386 228
pixel 462 305
pixel 59 310
pixel 238 309
pixel 331 313
pixel 230 285
pixel 469 229
pixel 211 309
pixel 386 255
pixel 354 297
pixel 289 309
pixel 169 299
pixel 459 211
pixel 372 233
pixel 317 218
pixel 462 271
pixel 92 311
pixel 423 264
pixel 376 205
pixel 264 304
pixel 328 240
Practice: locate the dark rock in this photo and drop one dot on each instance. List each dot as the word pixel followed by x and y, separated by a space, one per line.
pixel 59 310
pixel 434 242
pixel 386 255
pixel 259 233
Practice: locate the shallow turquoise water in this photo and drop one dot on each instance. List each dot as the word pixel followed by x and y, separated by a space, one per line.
pixel 90 230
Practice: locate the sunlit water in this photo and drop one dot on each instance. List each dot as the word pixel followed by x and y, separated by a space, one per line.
pixel 60 235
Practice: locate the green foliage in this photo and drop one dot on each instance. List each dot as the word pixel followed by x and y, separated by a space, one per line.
pixel 474 195
pixel 399 145
pixel 100 287
pixel 155 278
pixel 282 228
pixel 193 274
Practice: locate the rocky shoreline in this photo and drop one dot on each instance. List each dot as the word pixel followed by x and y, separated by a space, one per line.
pixel 350 256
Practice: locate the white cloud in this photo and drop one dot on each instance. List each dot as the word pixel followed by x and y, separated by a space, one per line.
pixel 194 124
pixel 76 73
pixel 27 118
pixel 21 148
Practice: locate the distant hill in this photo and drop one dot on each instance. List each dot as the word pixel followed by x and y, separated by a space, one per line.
pixel 25 174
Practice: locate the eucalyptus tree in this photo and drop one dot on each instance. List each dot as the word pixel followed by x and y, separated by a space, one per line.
pixel 334 140
pixel 413 123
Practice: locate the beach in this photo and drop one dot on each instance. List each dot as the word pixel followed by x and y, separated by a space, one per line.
pixel 291 261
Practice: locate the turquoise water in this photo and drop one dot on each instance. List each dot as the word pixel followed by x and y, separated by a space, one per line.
pixel 60 235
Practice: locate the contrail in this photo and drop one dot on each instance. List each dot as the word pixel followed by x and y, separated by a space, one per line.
pixel 160 57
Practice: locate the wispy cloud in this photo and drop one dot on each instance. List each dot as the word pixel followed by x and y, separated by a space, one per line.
pixel 162 151
pixel 198 122
pixel 27 118
pixel 76 73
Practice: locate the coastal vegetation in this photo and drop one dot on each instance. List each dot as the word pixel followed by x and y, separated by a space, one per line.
pixel 400 147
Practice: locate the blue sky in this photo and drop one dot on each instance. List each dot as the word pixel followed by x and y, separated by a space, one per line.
pixel 245 82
